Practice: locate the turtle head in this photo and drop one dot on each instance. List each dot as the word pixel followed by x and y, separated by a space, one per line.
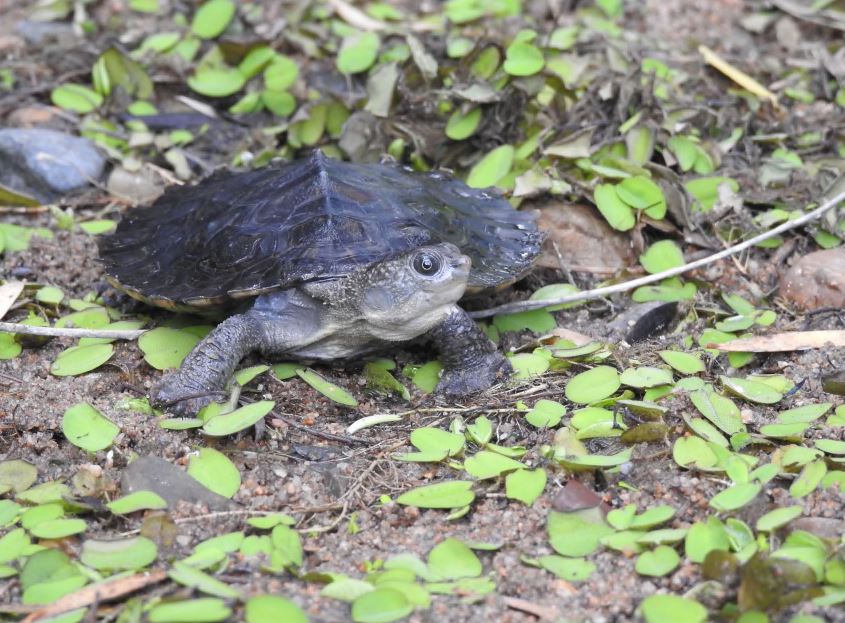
pixel 406 296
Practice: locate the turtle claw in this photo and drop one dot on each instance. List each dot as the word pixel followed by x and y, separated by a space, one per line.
pixel 181 398
pixel 484 373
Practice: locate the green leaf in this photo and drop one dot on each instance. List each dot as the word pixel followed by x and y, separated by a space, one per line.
pixel 87 428
pixel 187 575
pixel 256 60
pixel 166 348
pixel 452 560
pixel 491 168
pixel 523 59
pixel 81 359
pixel 486 464
pixel 358 52
pixel 203 610
pixel 569 569
pixel 536 320
pixel 238 420
pixel 719 410
pixel 778 518
pixel 438 441
pixel 269 608
pixel 381 606
pixel 658 562
pixel 616 212
pixel 448 494
pixel 281 73
pixel 593 385
pixel 50 295
pixel 9 347
pixel 139 500
pixel 123 554
pixel 76 98
pixel 58 528
pixel 329 390
pixel 546 414
pixel 694 452
pixel 245 375
pixel 215 471
pixel 685 363
pixel 662 608
pixel 753 391
pixel 528 365
pixel 736 496
pixel 212 18
pixel 526 485
pixel 808 480
pixel 219 81
pixel 17 475
pixel 461 126
pixel 577 533
pixel 642 193
pixel 645 376
pixel 662 255
pixel 705 189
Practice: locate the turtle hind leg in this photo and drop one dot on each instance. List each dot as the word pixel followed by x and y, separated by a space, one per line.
pixel 471 362
pixel 278 322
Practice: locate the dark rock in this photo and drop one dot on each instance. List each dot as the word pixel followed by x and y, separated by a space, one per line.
pixel 151 473
pixel 643 321
pixel 46 164
pixel 41 33
pixel 816 280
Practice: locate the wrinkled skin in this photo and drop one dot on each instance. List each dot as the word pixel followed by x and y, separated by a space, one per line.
pixel 394 301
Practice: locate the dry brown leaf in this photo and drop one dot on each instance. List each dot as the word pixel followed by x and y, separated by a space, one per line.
pixel 9 293
pixel 783 342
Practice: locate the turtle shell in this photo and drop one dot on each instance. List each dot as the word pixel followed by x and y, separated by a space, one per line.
pixel 237 235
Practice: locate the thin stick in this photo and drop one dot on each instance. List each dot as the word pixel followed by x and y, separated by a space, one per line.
pixel 588 295
pixel 25 329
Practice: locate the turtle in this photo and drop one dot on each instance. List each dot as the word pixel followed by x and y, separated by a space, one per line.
pixel 321 259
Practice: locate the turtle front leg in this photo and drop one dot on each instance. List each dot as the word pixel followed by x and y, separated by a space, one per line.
pixel 471 362
pixel 206 370
pixel 277 322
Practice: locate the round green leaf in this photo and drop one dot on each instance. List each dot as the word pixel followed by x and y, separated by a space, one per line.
pixel 9 346
pixel 58 528
pixel 491 168
pixel 281 73
pixel 358 52
pixel 81 359
pixel 381 606
pixel 449 494
pixel 778 518
pixel 139 500
pixel 76 97
pixel 216 81
pixel 736 496
pixel 214 470
pixel 237 420
pixel 523 59
pixel 256 60
pixel 527 365
pixel 753 391
pixel 593 385
pixel 569 569
pixel 546 414
pixel 486 464
pixel 50 295
pixel 87 428
pixel 203 610
pixel 525 485
pixel 461 126
pixel 616 212
pixel 280 103
pixel 645 376
pixel 685 363
pixel 132 553
pixel 662 608
pixel 166 348
pixel 641 193
pixel 17 475
pixel 658 562
pixel 662 255
pixel 212 18
pixel 271 608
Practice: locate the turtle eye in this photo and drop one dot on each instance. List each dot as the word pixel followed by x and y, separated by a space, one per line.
pixel 426 263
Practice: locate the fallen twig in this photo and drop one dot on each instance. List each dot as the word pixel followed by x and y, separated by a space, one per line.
pixel 103 591
pixel 25 329
pixel 588 295
pixel 782 342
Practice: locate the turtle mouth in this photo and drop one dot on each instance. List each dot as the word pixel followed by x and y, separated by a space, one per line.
pixel 461 265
